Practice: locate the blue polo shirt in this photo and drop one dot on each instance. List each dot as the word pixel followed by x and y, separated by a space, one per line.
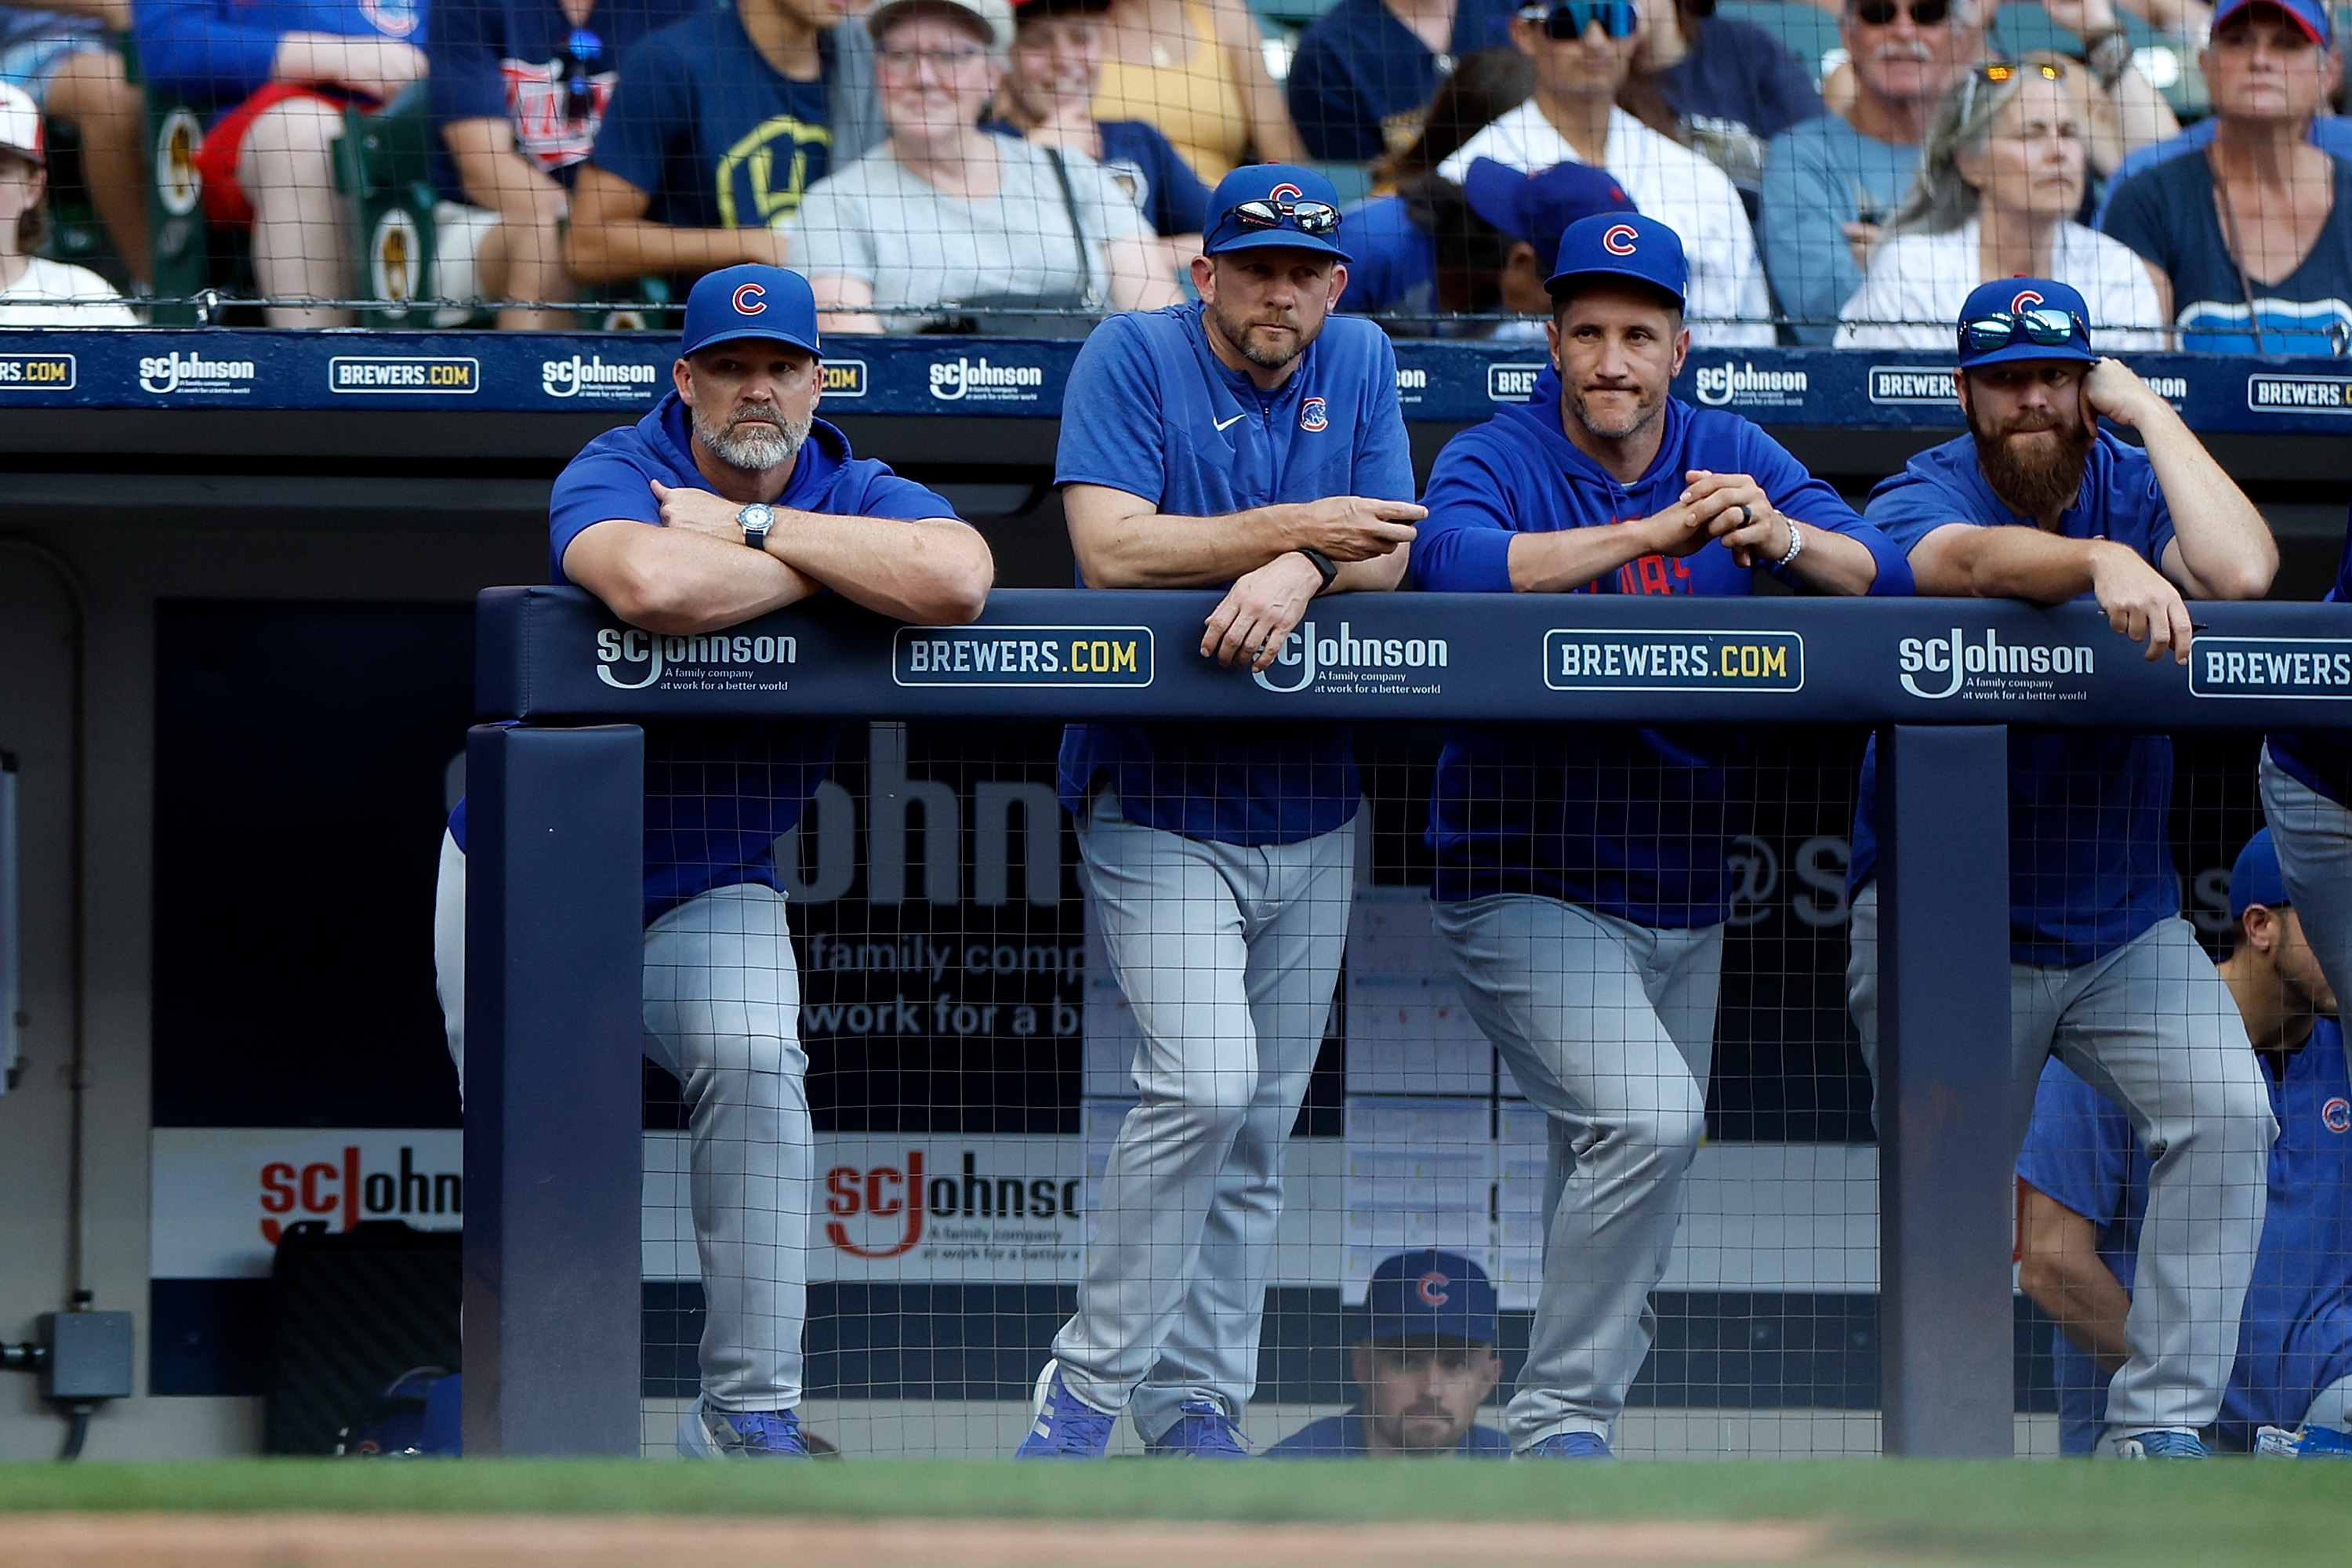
pixel 2294 1338
pixel 2322 759
pixel 1633 823
pixel 497 59
pixel 1341 1437
pixel 1150 410
pixel 713 133
pixel 2090 848
pixel 718 791
pixel 1358 71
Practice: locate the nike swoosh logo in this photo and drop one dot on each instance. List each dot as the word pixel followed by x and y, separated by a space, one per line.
pixel 1220 423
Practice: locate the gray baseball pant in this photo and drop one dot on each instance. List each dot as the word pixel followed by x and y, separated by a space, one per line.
pixel 1609 1026
pixel 2314 836
pixel 2151 1027
pixel 1228 956
pixel 722 1014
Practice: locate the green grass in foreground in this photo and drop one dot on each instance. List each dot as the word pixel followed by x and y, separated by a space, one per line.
pixel 2224 1512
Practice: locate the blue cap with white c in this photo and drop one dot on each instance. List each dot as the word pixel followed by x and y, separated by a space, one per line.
pixel 1621 245
pixel 751 302
pixel 2256 877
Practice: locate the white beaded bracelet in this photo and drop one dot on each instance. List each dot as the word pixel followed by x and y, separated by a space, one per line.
pixel 1796 543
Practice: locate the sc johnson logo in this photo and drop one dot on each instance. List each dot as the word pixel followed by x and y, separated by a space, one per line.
pixel 359 376
pixel 1023 656
pixel 2299 393
pixel 37 373
pixel 1650 660
pixel 292 1191
pixel 1511 382
pixel 1908 383
pixel 593 378
pixel 1745 386
pixel 1368 663
pixel 1411 383
pixel 2315 668
pixel 900 1198
pixel 844 378
pixel 722 661
pixel 177 373
pixel 961 380
pixel 1937 667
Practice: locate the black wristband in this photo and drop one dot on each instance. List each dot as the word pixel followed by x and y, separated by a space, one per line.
pixel 1322 565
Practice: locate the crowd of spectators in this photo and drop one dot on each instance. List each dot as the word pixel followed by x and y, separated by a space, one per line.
pixel 977 165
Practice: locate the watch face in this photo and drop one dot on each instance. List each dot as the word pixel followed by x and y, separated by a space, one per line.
pixel 758 515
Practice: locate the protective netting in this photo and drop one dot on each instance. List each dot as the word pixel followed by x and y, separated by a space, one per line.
pixel 1051 1073
pixel 1838 175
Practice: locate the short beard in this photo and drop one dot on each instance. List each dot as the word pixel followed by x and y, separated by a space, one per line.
pixel 1237 333
pixel 1645 411
pixel 2030 486
pixel 753 451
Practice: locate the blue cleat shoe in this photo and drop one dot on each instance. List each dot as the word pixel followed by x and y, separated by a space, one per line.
pixel 1202 1431
pixel 2156 1443
pixel 1066 1427
pixel 1567 1446
pixel 2305 1443
pixel 706 1433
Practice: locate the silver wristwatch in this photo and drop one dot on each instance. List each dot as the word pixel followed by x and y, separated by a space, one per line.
pixel 755 520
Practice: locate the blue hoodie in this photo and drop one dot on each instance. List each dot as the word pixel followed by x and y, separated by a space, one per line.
pixel 1632 823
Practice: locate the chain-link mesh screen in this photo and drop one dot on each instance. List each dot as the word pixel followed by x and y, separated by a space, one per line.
pixel 1667 1122
pixel 1839 175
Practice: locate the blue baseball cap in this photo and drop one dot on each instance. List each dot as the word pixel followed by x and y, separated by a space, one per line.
pixel 2014 295
pixel 1416 1295
pixel 2256 877
pixel 1279 183
pixel 1621 245
pixel 2311 16
pixel 1539 208
pixel 751 302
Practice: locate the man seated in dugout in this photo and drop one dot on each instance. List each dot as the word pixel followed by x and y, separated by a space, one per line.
pixel 1426 1363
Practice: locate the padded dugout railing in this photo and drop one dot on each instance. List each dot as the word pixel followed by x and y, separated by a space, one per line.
pixel 554 919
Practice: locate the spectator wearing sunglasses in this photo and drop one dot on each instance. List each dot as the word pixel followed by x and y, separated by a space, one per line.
pixel 519 89
pixel 2253 237
pixel 1583 51
pixel 716 129
pixel 1829 183
pixel 1999 184
pixel 1366 70
pixel 944 214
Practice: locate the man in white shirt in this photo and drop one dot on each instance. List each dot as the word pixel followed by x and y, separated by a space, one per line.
pixel 1582 50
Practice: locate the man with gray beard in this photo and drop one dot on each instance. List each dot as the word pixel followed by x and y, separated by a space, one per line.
pixel 2037 503
pixel 1829 182
pixel 729 500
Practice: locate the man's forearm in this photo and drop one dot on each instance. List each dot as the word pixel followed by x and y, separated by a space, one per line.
pixel 1377 575
pixel 933 572
pixel 2225 545
pixel 1563 561
pixel 2083 1300
pixel 1157 550
pixel 1833 563
pixel 612 251
pixel 1964 562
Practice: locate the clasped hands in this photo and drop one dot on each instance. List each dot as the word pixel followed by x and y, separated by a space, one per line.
pixel 1729 506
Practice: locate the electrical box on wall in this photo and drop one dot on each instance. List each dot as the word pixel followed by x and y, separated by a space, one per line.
pixel 90 1356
